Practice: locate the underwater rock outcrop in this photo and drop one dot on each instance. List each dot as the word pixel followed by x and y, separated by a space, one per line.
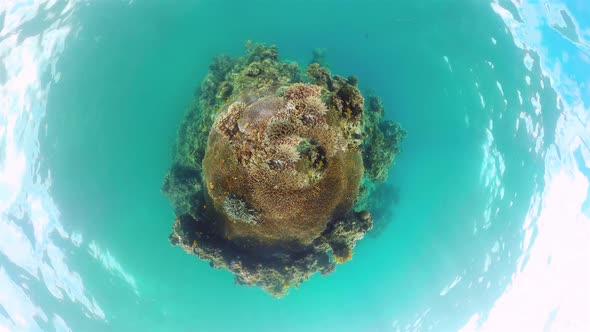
pixel 269 165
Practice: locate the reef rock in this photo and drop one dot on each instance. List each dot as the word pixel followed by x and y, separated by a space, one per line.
pixel 268 168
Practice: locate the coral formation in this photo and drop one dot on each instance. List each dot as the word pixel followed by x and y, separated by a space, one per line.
pixel 272 165
pixel 382 141
pixel 238 211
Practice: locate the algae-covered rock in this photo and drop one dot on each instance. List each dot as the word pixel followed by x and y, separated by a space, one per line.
pixel 269 165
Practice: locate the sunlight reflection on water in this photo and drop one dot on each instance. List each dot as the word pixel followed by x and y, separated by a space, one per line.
pixel 549 289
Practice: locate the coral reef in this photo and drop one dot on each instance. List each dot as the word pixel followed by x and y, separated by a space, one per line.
pixel 382 141
pixel 271 165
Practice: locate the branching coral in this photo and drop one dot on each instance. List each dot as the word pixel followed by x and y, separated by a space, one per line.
pixel 268 168
pixel 301 91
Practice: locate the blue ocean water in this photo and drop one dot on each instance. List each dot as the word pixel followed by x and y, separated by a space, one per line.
pixel 489 228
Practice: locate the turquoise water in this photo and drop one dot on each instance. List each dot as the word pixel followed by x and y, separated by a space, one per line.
pixel 491 228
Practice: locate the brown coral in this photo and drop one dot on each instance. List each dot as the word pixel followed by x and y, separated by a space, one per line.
pixel 267 169
pixel 300 91
pixel 296 189
pixel 279 128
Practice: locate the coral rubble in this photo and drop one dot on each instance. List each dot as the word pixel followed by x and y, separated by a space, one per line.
pixel 272 165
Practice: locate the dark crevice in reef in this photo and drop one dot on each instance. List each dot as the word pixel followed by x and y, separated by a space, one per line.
pixel 272 165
